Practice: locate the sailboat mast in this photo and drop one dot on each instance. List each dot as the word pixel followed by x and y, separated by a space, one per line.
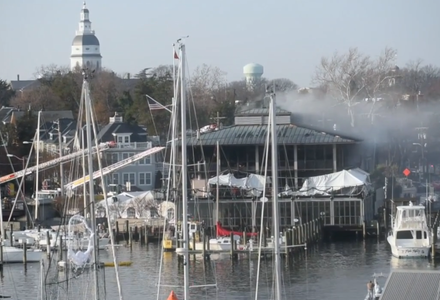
pixel 275 213
pixel 88 112
pixel 217 192
pixel 184 175
pixel 37 200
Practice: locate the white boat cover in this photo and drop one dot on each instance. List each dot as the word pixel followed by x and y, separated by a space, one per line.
pixel 251 182
pixel 335 182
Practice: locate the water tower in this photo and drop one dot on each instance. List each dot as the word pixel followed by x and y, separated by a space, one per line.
pixel 252 72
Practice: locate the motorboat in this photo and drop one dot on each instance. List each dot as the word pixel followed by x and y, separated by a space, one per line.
pixel 410 235
pixel 15 255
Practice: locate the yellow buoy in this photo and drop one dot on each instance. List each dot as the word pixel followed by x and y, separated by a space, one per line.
pixel 120 264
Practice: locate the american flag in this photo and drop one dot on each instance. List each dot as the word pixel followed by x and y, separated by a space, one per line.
pixel 153 104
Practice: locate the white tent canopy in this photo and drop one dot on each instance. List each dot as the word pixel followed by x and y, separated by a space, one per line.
pixel 250 182
pixel 129 205
pixel 335 182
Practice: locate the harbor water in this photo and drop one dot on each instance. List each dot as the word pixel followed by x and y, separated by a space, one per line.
pixel 333 270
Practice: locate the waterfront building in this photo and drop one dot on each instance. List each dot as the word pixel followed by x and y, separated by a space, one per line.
pixel 303 153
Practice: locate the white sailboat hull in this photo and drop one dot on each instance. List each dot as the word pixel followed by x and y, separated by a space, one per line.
pixel 402 251
pixel 15 255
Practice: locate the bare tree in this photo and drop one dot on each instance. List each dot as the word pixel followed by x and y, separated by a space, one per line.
pixel 353 76
pixel 284 84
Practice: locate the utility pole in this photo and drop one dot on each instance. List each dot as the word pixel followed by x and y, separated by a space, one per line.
pixel 217 119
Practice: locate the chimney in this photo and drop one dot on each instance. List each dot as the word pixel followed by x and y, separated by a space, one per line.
pixel 128 75
pixel 18 77
pixel 116 118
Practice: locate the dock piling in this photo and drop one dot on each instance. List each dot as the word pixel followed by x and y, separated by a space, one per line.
pixel 25 254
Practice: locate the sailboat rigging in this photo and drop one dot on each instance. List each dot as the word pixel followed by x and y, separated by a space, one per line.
pixel 184 175
pixel 275 207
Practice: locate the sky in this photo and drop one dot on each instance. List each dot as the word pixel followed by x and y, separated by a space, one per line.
pixel 287 37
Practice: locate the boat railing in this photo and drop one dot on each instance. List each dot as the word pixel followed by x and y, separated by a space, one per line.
pixel 411 223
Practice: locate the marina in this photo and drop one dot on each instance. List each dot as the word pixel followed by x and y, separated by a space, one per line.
pixel 334 269
pixel 182 182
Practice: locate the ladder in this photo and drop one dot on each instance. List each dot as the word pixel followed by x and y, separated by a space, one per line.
pixel 54 162
pixel 120 164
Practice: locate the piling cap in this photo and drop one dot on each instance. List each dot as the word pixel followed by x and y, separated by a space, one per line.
pixel 172 296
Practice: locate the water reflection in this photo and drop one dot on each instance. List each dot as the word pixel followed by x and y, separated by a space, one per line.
pixel 337 270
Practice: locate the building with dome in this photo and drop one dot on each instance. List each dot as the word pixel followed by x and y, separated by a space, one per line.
pixel 86 52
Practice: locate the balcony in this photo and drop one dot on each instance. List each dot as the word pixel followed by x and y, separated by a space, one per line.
pixel 135 145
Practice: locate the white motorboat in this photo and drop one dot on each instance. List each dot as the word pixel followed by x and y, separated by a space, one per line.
pixel 410 235
pixel 15 255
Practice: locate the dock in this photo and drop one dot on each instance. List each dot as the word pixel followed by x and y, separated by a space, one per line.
pixel 419 285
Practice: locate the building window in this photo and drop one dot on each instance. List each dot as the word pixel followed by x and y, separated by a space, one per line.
pixel 144 178
pixel 129 177
pixel 131 213
pixel 88 64
pixel 145 161
pixel 126 139
pixel 87 48
pixel 112 158
pixel 114 178
pixel 120 139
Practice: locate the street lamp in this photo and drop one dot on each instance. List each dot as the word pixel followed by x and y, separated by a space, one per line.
pixel 23 160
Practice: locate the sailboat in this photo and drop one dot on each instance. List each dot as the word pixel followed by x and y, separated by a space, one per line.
pixel 84 264
pixel 184 249
pixel 275 207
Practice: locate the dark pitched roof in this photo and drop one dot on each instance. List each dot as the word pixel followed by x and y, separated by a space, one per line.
pixel 49 129
pixel 409 285
pixel 261 112
pixel 5 113
pixel 257 135
pixel 22 85
pixel 106 134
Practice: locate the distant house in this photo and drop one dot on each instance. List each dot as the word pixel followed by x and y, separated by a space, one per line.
pixel 50 133
pixel 24 85
pixel 6 113
pixel 130 139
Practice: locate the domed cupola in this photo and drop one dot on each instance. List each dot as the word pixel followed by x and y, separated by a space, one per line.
pixel 86 51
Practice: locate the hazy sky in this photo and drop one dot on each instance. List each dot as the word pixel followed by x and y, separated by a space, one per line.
pixel 287 37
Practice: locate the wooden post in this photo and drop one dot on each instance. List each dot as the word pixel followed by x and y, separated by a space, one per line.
pixel 232 245
pixel 146 235
pixel 130 237
pixel 60 249
pixel 204 247
pixel 24 254
pixel 48 244
pixel 11 240
pixel 364 230
pixel 117 232
pixel 193 241
pixel 127 231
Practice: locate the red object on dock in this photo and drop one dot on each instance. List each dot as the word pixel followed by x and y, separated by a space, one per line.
pixel 172 296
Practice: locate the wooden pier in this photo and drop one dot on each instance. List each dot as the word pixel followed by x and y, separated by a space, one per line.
pixel 295 240
pixel 140 230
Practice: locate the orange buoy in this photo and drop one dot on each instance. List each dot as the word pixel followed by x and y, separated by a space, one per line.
pixel 172 296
